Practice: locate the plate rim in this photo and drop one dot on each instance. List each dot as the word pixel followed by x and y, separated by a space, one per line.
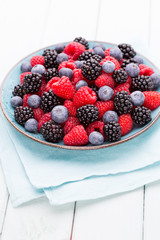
pixel 107 145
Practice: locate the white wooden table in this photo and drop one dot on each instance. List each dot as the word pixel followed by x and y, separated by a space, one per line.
pixel 29 25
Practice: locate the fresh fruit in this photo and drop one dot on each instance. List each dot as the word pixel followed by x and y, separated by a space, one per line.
pixel 155 77
pixel 91 69
pixel 122 87
pixel 38 113
pixel 87 114
pixel 50 73
pixel 50 56
pixel 74 50
pixel 145 70
pixel 52 132
pixel 84 96
pixel 95 126
pixel 59 114
pixel 79 64
pixel 69 124
pixel 67 64
pixel 23 75
pixel 96 138
pixel 49 100
pixel 105 79
pixel 125 62
pixel 37 60
pixel 104 107
pixel 22 114
pixel 122 102
pixel 80 84
pixel 34 101
pixel 83 41
pixel 127 50
pixel 141 115
pixel 132 70
pixel 108 67
pixel 38 69
pixel 105 93
pixel 61 58
pixel 26 67
pixel 76 137
pixel 110 116
pixel 25 99
pixel 126 123
pixel 59 47
pixel 152 100
pixel 120 76
pixel 31 125
pixel 18 91
pixel 116 53
pixel 142 83
pixel 112 131
pixel 51 81
pixel 86 55
pixel 45 118
pixel 16 101
pixel 99 51
pixel 138 98
pixel 99 45
pixel 66 72
pixel 138 59
pixel 32 82
pixel 71 108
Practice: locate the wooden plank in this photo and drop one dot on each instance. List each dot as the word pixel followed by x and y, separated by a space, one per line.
pixel 118 217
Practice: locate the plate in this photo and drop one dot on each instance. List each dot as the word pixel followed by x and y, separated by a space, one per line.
pixel 12 79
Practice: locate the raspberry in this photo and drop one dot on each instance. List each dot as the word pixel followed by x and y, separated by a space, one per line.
pixel 152 99
pixel 129 81
pixel 23 75
pixel 38 113
pixel 67 64
pixel 95 126
pixel 84 96
pixel 145 70
pixel 69 124
pixel 71 108
pixel 74 50
pixel 42 88
pixel 107 52
pixel 49 84
pixel 25 100
pixel 37 60
pixel 112 59
pixel 104 107
pixel 126 123
pixel 77 76
pixel 45 118
pixel 76 137
pixel 105 79
pixel 122 87
pixel 63 88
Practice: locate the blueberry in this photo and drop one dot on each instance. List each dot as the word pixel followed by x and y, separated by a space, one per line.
pixel 34 101
pixel 99 51
pixel 105 93
pixel 96 138
pixel 155 77
pixel 116 53
pixel 38 69
pixel 138 59
pixel 66 72
pixel 31 125
pixel 137 98
pixel 110 116
pixel 78 63
pixel 99 45
pixel 108 67
pixel 26 67
pixel 59 114
pixel 60 47
pixel 16 101
pixel 132 69
pixel 80 84
pixel 61 58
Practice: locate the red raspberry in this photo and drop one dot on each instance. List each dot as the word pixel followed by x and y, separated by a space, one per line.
pixel 126 123
pixel 122 87
pixel 145 70
pixel 105 79
pixel 45 118
pixel 71 108
pixel 76 137
pixel 49 84
pixel 95 126
pixel 84 96
pixel 77 76
pixel 104 107
pixel 63 88
pixel 107 52
pixel 42 88
pixel 67 64
pixel 69 124
pixel 112 59
pixel 74 50
pixel 23 75
pixel 37 60
pixel 25 100
pixel 152 99
pixel 129 81
pixel 38 113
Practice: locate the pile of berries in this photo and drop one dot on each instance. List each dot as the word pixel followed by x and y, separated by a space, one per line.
pixel 84 95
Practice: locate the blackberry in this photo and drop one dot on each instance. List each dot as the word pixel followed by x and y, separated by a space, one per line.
pixel 51 132
pixel 22 114
pixel 50 73
pixel 120 76
pixel 88 55
pixel 91 69
pixel 127 61
pixel 122 102
pixel 87 114
pixel 83 41
pixel 18 91
pixel 142 83
pixel 141 115
pixel 49 100
pixel 50 56
pixel 112 131
pixel 32 82
pixel 127 50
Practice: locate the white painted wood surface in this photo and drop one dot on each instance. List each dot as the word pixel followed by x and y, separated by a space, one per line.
pixel 28 26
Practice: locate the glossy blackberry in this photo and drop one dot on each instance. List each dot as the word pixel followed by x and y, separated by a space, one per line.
pixel 18 91
pixel 49 100
pixel 112 131
pixel 83 41
pixel 122 102
pixel 141 115
pixel 127 61
pixel 120 76
pixel 142 83
pixel 50 73
pixel 91 69
pixel 22 114
pixel 87 114
pixel 50 56
pixel 127 50
pixel 51 132
pixel 88 55
pixel 32 82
